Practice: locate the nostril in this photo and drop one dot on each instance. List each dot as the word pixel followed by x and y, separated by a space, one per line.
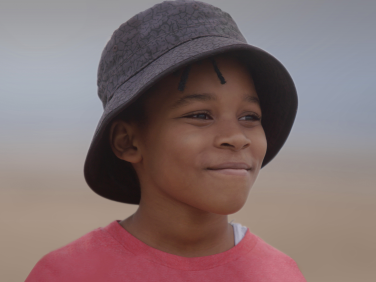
pixel 227 145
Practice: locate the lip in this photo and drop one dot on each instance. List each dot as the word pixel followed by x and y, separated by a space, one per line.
pixel 230 165
pixel 240 169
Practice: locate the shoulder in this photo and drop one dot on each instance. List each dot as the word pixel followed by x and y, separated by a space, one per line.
pixel 273 264
pixel 88 254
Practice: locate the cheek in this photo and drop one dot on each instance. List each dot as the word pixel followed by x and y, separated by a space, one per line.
pixel 172 154
pixel 259 145
pixel 177 169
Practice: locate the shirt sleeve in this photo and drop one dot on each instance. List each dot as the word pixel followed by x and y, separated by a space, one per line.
pixel 45 270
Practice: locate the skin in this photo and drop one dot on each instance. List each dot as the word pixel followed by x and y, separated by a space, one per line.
pixel 178 153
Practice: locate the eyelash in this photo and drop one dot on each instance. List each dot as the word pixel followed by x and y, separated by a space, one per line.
pixel 254 116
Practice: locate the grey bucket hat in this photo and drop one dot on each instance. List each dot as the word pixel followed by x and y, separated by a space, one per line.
pixel 157 42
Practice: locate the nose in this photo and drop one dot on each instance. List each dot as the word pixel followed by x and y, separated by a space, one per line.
pixel 231 136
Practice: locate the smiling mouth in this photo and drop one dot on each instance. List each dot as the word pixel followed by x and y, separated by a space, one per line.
pixel 231 169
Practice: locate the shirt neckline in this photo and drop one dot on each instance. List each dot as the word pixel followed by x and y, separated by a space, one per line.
pixel 142 250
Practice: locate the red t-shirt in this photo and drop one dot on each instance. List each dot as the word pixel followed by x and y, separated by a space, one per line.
pixel 112 254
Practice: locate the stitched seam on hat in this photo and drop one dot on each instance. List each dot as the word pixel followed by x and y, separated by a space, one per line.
pixel 112 94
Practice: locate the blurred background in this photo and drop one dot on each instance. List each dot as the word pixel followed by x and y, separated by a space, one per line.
pixel 316 201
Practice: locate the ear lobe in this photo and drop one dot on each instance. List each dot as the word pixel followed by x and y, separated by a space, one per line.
pixel 122 142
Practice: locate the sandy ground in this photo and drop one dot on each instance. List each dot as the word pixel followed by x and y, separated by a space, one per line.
pixel 318 207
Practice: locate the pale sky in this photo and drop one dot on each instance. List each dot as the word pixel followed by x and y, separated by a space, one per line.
pixel 50 50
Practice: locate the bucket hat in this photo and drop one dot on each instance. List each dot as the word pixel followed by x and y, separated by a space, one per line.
pixel 157 42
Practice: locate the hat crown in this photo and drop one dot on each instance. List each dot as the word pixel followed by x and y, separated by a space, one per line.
pixel 153 32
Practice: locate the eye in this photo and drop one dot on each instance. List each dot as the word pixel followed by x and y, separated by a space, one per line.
pixel 252 117
pixel 203 116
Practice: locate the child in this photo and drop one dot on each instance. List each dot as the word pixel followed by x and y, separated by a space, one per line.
pixel 191 114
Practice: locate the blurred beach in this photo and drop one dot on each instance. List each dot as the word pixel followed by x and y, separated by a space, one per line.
pixel 317 207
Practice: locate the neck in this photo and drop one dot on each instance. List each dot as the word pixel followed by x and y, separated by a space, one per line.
pixel 179 229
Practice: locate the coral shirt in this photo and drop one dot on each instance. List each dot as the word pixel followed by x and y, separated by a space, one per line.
pixel 112 254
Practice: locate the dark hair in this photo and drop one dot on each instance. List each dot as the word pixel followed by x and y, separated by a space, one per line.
pixel 135 112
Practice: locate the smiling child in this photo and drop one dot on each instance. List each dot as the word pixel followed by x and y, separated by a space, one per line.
pixel 191 114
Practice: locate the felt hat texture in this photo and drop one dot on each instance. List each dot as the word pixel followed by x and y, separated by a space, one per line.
pixel 157 42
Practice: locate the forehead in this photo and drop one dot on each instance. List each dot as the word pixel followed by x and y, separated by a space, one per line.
pixel 202 78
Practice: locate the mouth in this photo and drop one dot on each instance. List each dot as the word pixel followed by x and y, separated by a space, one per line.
pixel 240 169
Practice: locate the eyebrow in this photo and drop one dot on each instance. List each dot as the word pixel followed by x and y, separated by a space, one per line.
pixel 251 99
pixel 208 97
pixel 193 97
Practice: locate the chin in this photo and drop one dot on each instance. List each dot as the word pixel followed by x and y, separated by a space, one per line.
pixel 223 199
pixel 230 209
pixel 229 206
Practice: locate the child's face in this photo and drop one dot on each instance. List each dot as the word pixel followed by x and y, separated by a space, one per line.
pixel 202 147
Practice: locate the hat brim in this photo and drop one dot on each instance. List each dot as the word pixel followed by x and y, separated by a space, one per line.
pixel 273 84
